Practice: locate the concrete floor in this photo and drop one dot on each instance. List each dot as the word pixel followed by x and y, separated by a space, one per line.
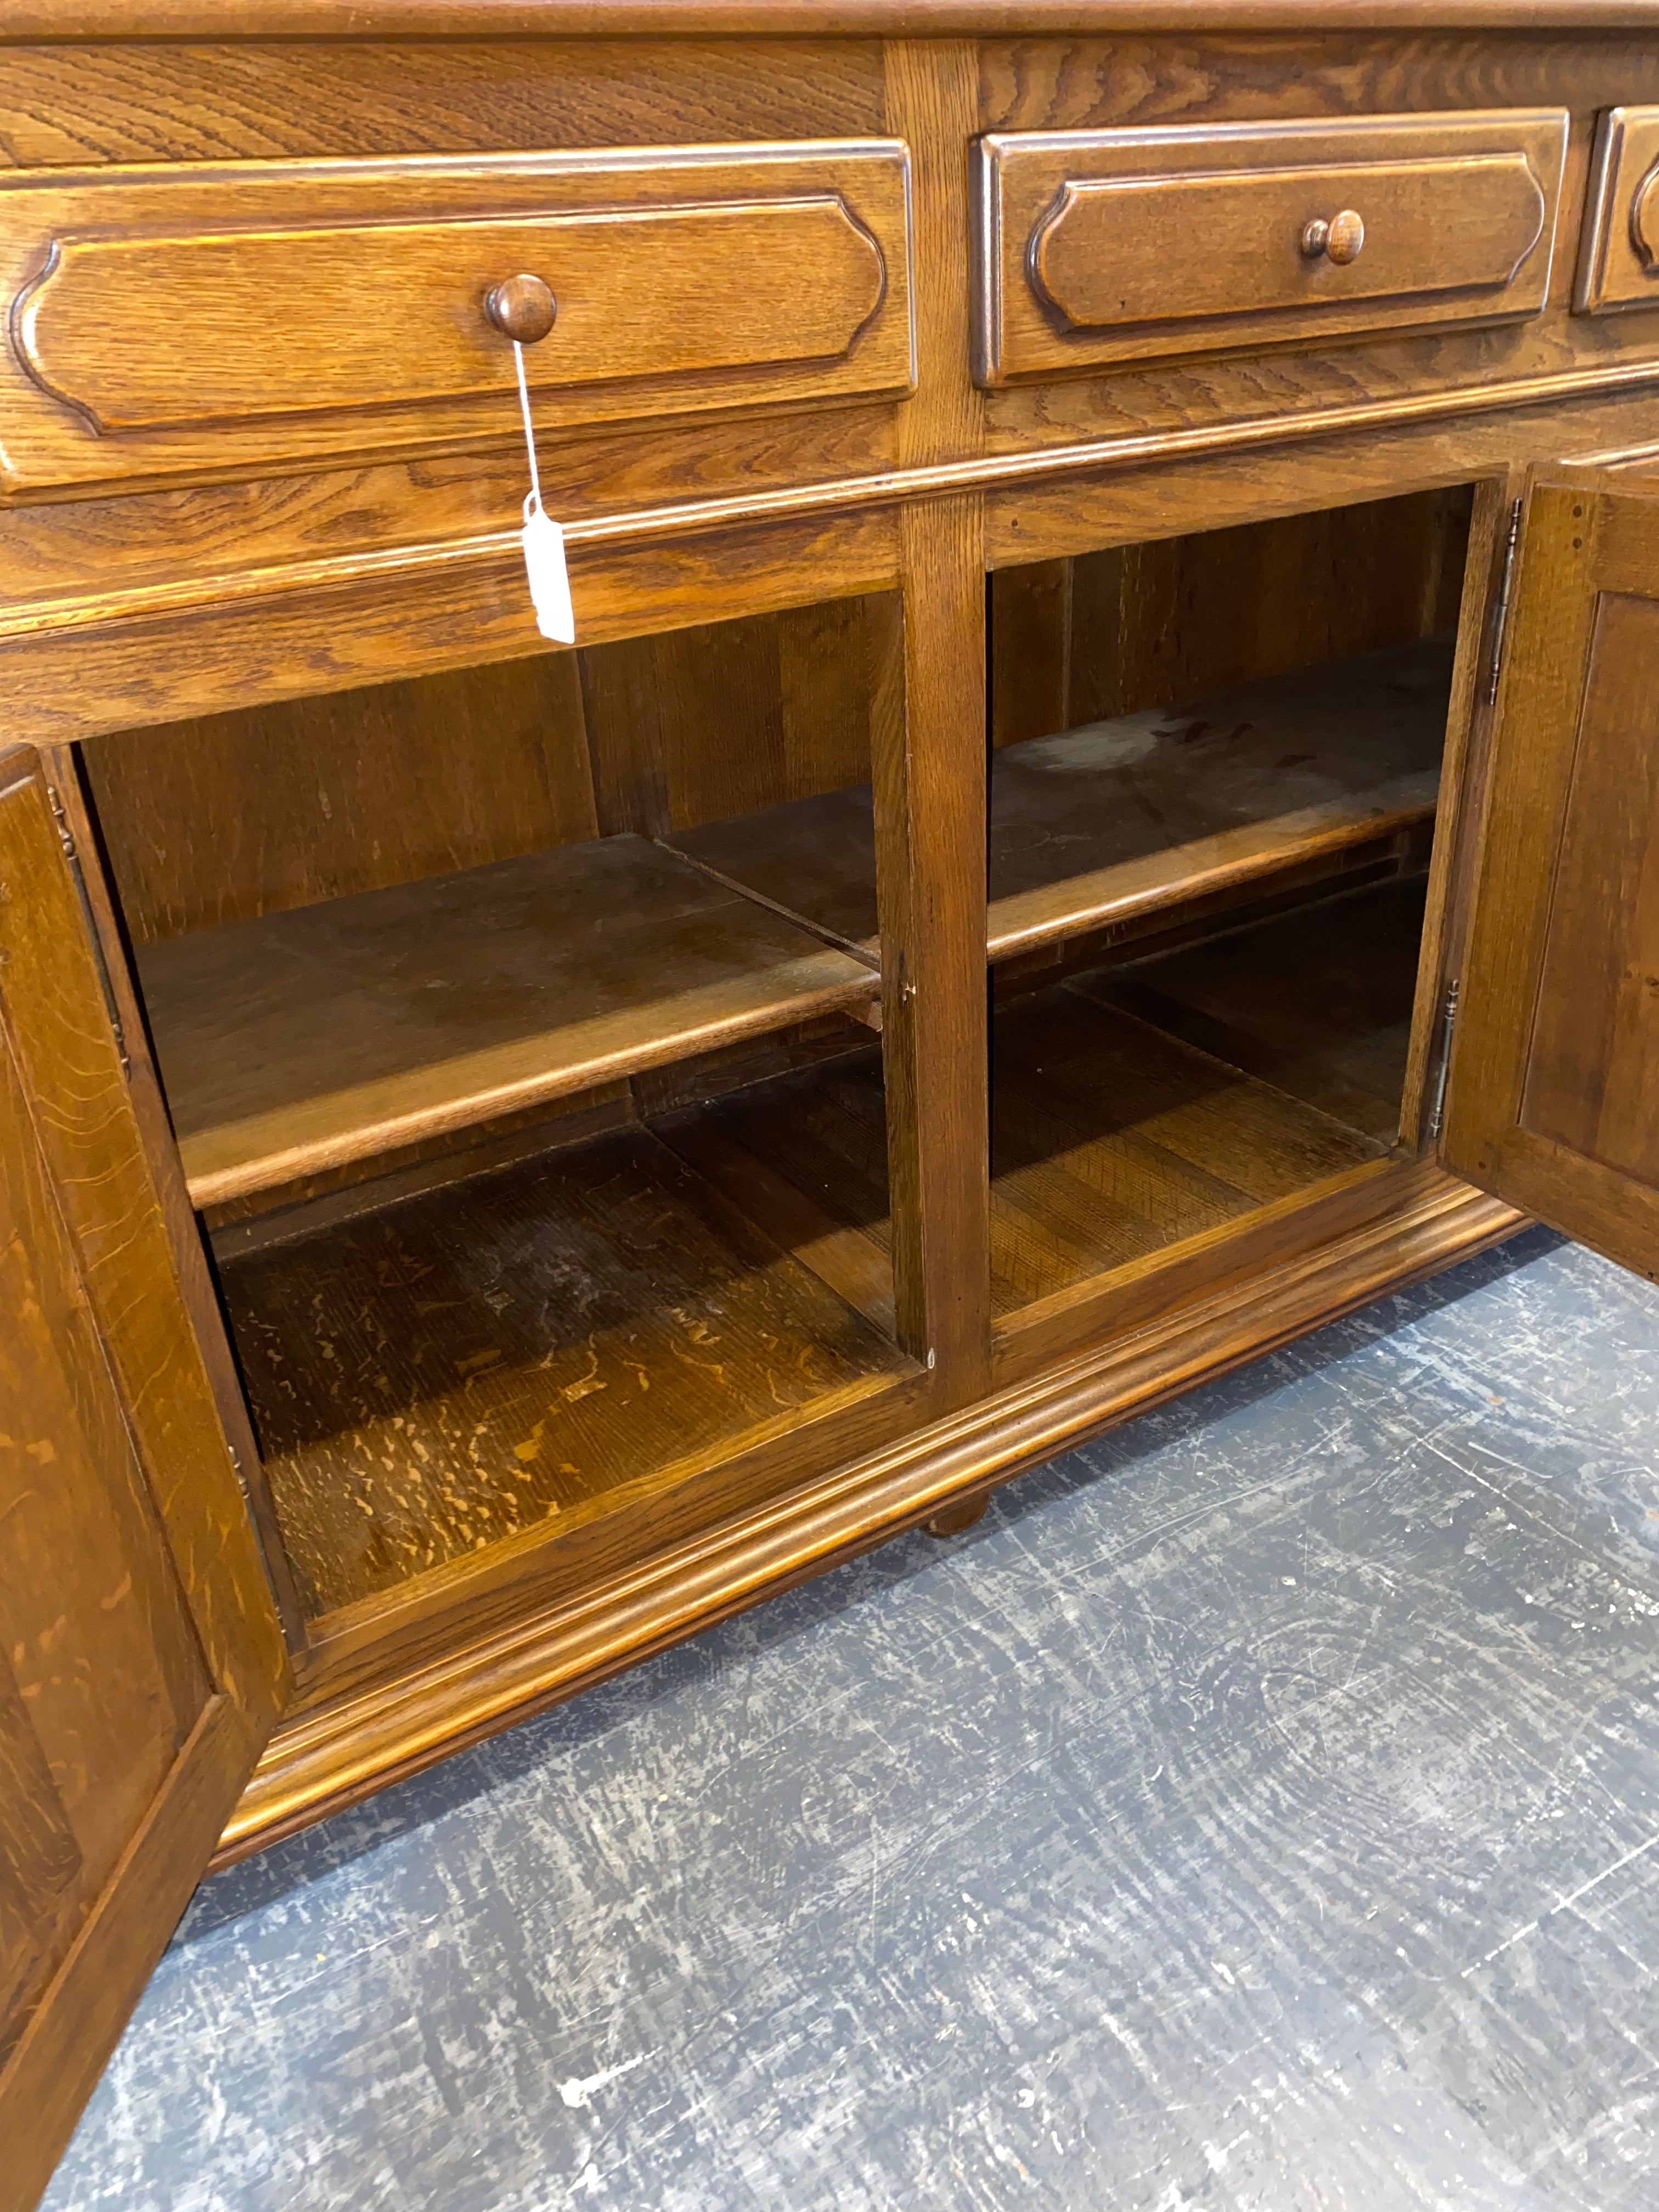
pixel 1259 1810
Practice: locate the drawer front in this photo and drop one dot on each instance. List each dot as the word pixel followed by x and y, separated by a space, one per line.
pixel 207 316
pixel 1618 262
pixel 1115 246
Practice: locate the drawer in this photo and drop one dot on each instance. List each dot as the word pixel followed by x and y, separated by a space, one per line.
pixel 1619 261
pixel 208 316
pixel 1099 247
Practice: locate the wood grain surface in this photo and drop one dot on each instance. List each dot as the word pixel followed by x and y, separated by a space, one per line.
pixel 1618 258
pixel 1110 1140
pixel 1554 1057
pixel 1318 1003
pixel 488 1674
pixel 1086 638
pixel 165 320
pixel 227 98
pixel 441 1375
pixel 143 1664
pixel 300 1041
pixel 231 815
pixel 1115 246
pixel 1099 825
pixel 963 19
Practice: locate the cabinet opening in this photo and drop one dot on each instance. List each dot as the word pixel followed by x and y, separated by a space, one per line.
pixel 1214 771
pixel 543 1158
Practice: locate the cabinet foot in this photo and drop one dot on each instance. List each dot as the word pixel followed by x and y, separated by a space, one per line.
pixel 951 1520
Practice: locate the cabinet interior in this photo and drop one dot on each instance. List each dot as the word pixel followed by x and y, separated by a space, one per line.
pixel 520 1026
pixel 1215 767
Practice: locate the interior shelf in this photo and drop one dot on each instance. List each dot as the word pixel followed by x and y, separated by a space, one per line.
pixel 1318 1004
pixel 535 1345
pixel 1120 818
pixel 334 1032
pixel 1131 1106
pixel 1134 1107
pixel 545 1340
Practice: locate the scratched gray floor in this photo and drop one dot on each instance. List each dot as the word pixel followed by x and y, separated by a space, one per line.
pixel 1258 1811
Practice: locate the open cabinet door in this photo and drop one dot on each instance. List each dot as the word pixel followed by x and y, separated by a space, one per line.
pixel 141 1661
pixel 1554 1097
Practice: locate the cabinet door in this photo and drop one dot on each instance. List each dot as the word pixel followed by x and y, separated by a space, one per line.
pixel 1553 1099
pixel 141 1663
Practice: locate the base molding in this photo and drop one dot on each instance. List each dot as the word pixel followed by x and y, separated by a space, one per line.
pixel 321 1761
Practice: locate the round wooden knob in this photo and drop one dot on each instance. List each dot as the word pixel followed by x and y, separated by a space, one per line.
pixel 521 308
pixel 1339 239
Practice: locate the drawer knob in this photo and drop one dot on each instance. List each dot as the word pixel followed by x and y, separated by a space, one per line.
pixel 522 307
pixel 1339 239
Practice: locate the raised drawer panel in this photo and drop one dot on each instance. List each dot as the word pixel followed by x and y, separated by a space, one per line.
pixel 1619 266
pixel 208 316
pixel 1101 246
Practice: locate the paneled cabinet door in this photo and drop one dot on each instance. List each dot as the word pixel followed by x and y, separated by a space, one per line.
pixel 141 1663
pixel 1554 1100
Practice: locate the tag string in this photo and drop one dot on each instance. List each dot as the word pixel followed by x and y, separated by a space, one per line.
pixel 529 427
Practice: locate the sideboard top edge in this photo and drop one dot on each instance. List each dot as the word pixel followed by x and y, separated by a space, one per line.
pixel 47 21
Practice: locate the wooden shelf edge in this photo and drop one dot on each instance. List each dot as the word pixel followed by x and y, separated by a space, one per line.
pixel 326 1761
pixel 1099 899
pixel 476 1108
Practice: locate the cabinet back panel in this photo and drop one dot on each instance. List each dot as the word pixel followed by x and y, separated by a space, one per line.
pixel 1116 632
pixel 237 814
pixel 232 816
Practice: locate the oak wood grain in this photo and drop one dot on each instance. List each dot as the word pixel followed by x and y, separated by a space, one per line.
pixel 1555 1059
pixel 356 631
pixel 937 18
pixel 65 106
pixel 449 1372
pixel 228 817
pixel 295 1042
pixel 1100 825
pixel 1318 1003
pixel 1414 1220
pixel 1462 792
pixel 179 1220
pixel 144 1663
pixel 1112 245
pixel 163 320
pixel 1618 255
pixel 1111 1140
pixel 928 771
pixel 1135 626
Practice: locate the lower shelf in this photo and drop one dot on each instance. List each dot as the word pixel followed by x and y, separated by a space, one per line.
pixel 538 1346
pixel 588 1325
pixel 331 1755
pixel 1319 1005
pixel 1110 1140
pixel 301 1041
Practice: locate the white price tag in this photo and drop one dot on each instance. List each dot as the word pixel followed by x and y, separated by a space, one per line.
pixel 549 579
pixel 543 540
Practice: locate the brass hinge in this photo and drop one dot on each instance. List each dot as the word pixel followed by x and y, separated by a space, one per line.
pixel 66 839
pixel 1500 621
pixel 1447 1023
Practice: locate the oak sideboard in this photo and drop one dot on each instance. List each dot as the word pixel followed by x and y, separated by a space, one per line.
pixel 1100 808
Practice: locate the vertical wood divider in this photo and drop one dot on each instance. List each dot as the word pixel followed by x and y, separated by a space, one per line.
pixel 929 744
pixel 929 766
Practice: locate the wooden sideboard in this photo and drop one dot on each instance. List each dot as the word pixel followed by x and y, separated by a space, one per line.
pixel 1103 809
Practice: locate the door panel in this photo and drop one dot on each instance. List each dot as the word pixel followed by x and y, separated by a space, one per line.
pixel 1553 1101
pixel 140 1665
